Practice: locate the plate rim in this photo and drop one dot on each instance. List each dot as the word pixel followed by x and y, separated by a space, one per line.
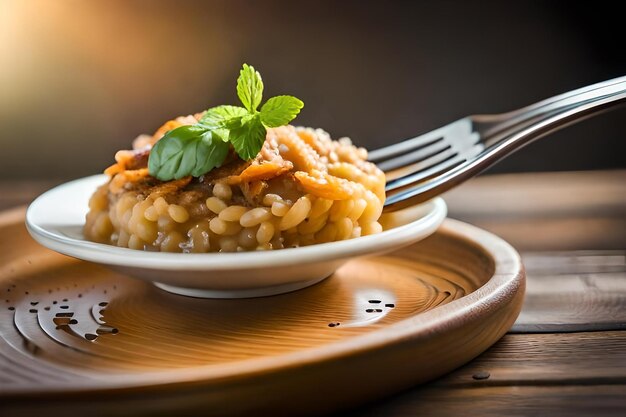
pixel 97 252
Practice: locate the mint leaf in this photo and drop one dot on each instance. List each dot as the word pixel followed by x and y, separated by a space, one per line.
pixel 250 87
pixel 166 154
pixel 186 150
pixel 210 153
pixel 222 118
pixel 280 110
pixel 248 139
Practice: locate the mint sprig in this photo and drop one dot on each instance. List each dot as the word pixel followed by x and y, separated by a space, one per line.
pixel 197 149
pixel 189 150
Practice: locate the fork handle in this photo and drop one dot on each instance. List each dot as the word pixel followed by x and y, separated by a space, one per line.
pixel 573 106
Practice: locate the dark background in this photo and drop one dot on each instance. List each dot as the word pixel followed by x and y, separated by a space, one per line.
pixel 80 80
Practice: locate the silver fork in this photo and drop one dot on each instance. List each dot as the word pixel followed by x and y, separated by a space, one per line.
pixel 420 168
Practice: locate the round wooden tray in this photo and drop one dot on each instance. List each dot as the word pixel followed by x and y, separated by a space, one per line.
pixel 78 338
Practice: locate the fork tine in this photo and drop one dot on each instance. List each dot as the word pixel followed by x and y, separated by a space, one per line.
pixel 446 153
pixel 460 127
pixel 443 165
pixel 415 156
pixel 421 191
pixel 453 142
pixel 410 196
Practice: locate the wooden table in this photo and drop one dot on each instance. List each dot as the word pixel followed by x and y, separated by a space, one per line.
pixel 566 354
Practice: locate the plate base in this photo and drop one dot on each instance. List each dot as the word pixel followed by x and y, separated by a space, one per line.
pixel 245 293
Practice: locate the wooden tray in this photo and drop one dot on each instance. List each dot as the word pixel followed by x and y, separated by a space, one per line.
pixel 77 338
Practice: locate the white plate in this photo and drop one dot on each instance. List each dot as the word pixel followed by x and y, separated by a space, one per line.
pixel 56 218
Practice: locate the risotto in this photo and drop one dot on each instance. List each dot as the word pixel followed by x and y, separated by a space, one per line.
pixel 301 189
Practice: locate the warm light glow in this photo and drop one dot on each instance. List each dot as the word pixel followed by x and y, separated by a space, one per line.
pixel 93 75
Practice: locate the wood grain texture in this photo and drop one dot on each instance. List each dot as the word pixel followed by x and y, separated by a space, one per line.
pixel 547 360
pixel 541 195
pixel 547 211
pixel 73 334
pixel 574 374
pixel 574 292
pixel 513 401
